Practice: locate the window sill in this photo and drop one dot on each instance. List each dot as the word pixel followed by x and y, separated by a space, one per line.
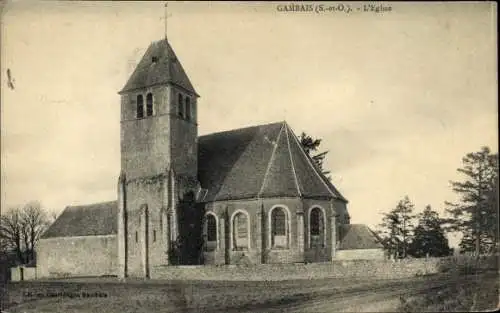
pixel 210 246
pixel 144 117
pixel 280 248
pixel 240 249
pixel 316 247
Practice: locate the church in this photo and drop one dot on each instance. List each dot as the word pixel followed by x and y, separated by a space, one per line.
pixel 244 196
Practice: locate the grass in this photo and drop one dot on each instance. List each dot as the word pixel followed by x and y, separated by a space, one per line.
pixel 167 296
pixel 470 288
pixel 475 295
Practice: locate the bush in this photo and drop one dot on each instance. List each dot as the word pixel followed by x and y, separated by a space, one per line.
pixel 465 265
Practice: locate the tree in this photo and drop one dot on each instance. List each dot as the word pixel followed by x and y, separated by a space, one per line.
pixel 429 238
pixel 309 145
pixel 476 214
pixel 396 228
pixel 21 228
pixel 34 222
pixel 12 233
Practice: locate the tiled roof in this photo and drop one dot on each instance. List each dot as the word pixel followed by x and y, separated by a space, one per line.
pixel 166 69
pixel 85 220
pixel 259 161
pixel 358 236
pixel 254 162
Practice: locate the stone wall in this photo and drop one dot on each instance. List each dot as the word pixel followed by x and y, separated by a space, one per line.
pixel 145 143
pixel 261 251
pixel 77 256
pixel 139 192
pixel 23 273
pixel 381 269
pixel 360 254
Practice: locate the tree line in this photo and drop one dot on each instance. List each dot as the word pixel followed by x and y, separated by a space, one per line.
pixel 475 215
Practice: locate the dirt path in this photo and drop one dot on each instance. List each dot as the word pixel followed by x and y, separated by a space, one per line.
pixel 327 295
pixel 380 296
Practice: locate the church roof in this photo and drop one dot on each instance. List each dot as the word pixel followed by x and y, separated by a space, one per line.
pixel 85 220
pixel 166 68
pixel 259 162
pixel 358 236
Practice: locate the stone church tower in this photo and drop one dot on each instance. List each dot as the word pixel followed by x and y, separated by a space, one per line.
pixel 158 141
pixel 244 196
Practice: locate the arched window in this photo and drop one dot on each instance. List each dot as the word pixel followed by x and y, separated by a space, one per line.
pixel 211 232
pixel 149 104
pixel 140 106
pixel 188 108
pixel 317 227
pixel 279 228
pixel 180 106
pixel 240 231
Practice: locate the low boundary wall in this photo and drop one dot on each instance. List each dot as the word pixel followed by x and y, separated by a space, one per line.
pixel 379 269
pixel 23 273
pixel 349 268
pixel 364 269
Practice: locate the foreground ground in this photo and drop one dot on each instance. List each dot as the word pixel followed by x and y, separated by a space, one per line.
pixel 443 292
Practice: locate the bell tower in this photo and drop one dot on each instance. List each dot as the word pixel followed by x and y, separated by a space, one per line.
pixel 158 145
pixel 158 116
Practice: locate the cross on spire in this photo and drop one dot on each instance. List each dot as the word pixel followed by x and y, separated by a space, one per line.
pixel 166 18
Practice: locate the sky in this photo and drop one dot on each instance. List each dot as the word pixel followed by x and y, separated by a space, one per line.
pixel 398 98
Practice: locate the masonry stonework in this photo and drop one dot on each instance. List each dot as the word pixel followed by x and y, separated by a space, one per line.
pixel 361 254
pixel 77 256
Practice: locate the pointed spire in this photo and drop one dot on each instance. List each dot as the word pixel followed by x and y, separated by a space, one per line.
pixel 167 69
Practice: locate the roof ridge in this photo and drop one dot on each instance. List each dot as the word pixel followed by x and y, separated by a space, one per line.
pixel 315 170
pixel 269 163
pixel 238 129
pixel 291 161
pixel 90 204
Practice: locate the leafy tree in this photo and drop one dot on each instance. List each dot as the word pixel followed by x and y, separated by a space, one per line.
pixel 476 215
pixel 429 238
pixel 310 145
pixel 396 228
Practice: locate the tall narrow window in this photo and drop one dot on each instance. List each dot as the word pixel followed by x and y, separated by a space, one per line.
pixel 180 106
pixel 169 225
pixel 317 227
pixel 279 236
pixel 193 110
pixel 154 235
pixel 188 108
pixel 211 228
pixel 240 231
pixel 140 106
pixel 211 232
pixel 136 237
pixel 149 104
